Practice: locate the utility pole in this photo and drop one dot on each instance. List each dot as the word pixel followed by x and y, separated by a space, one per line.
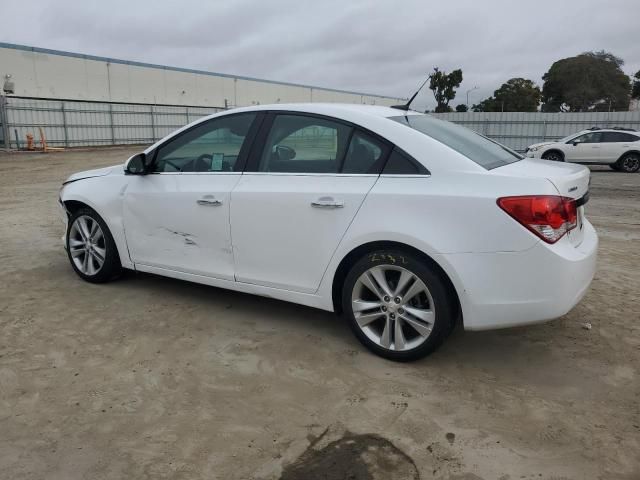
pixel 470 90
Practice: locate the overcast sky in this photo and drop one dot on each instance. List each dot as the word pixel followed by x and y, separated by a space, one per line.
pixel 382 47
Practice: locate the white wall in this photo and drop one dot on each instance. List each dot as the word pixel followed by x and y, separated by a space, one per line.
pixel 45 73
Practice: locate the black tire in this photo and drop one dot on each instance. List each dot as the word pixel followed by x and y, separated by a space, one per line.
pixel 629 163
pixel 111 267
pixel 443 302
pixel 553 155
pixel 614 166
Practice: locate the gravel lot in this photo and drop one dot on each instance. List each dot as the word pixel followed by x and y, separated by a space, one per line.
pixel 149 378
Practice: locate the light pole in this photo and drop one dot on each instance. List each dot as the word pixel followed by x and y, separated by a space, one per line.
pixel 470 90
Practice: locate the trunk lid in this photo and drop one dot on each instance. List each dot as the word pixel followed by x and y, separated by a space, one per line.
pixel 570 180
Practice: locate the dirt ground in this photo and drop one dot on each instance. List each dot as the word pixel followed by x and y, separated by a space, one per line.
pixel 151 378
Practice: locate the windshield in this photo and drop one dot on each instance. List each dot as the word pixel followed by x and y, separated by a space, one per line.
pixel 478 148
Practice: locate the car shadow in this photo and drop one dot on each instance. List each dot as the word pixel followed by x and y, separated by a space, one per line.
pixel 492 349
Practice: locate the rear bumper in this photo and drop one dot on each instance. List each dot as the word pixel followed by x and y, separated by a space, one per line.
pixel 507 289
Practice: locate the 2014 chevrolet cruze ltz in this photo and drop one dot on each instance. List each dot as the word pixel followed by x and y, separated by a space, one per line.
pixel 404 223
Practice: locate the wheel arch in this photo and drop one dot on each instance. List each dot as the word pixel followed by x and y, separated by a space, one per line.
pixel 72 206
pixel 636 151
pixel 556 150
pixel 76 202
pixel 350 258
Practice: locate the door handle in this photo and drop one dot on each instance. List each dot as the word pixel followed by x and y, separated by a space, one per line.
pixel 209 201
pixel 327 202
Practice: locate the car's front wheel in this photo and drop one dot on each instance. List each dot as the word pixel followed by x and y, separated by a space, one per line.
pixel 90 247
pixel 397 305
pixel 553 155
pixel 629 163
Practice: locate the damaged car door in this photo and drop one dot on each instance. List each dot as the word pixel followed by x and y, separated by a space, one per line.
pixel 176 217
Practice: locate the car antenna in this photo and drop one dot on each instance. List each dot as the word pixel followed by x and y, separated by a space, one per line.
pixel 407 105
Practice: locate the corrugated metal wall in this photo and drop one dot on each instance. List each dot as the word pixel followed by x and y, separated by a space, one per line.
pixel 75 124
pixel 44 73
pixel 518 130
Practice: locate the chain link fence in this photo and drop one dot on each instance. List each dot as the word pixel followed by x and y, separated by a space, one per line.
pixel 70 123
pixel 518 130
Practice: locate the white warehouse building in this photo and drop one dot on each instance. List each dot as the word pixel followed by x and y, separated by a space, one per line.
pixel 52 89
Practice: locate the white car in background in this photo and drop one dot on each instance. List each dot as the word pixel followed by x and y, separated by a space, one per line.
pixel 405 223
pixel 617 147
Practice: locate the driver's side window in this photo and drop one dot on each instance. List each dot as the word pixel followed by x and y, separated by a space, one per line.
pixel 213 146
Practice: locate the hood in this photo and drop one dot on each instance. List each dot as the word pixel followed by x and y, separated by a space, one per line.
pixel 538 145
pixel 97 172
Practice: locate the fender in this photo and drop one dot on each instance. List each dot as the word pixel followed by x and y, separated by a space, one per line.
pixel 104 194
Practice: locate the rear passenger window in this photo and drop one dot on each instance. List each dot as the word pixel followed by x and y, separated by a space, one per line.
pixel 613 137
pixel 400 163
pixel 301 144
pixel 364 155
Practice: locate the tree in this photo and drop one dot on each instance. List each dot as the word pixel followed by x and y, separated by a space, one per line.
pixel 462 108
pixel 486 105
pixel 589 81
pixel 443 86
pixel 515 95
pixel 635 91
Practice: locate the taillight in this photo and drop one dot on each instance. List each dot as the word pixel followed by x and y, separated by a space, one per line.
pixel 548 216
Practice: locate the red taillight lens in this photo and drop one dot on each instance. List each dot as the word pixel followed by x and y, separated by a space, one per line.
pixel 548 216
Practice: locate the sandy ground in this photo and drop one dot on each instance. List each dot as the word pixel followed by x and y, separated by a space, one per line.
pixel 151 378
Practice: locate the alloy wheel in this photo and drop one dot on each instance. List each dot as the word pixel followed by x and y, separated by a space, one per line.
pixel 631 163
pixel 87 245
pixel 393 307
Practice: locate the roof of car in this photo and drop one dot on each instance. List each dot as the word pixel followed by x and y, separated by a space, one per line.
pixel 608 129
pixel 332 108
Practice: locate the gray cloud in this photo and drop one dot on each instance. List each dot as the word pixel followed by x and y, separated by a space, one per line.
pixel 372 46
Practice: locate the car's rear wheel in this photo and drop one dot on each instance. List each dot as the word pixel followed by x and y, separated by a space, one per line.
pixel 553 155
pixel 629 163
pixel 397 305
pixel 90 247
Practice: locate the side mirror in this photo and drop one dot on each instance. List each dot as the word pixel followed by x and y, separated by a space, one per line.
pixel 136 165
pixel 575 143
pixel 285 152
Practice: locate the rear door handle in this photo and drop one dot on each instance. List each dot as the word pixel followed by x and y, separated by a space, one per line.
pixel 209 201
pixel 327 202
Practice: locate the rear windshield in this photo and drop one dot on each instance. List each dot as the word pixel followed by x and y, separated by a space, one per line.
pixel 478 148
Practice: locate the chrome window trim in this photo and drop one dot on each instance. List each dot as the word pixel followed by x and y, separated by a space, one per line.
pixel 302 174
pixel 294 174
pixel 405 175
pixel 194 173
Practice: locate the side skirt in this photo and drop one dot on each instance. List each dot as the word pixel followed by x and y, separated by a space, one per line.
pixel 307 299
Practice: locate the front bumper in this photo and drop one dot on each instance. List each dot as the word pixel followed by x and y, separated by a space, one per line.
pixel 64 216
pixel 508 289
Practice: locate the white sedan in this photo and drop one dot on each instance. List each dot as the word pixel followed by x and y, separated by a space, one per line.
pixel 404 223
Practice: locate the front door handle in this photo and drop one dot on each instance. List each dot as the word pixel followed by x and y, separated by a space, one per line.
pixel 327 202
pixel 209 201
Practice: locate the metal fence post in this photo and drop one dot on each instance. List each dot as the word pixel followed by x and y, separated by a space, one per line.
pixel 544 130
pixel 186 112
pixel 64 125
pixel 153 125
pixel 4 122
pixel 113 135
